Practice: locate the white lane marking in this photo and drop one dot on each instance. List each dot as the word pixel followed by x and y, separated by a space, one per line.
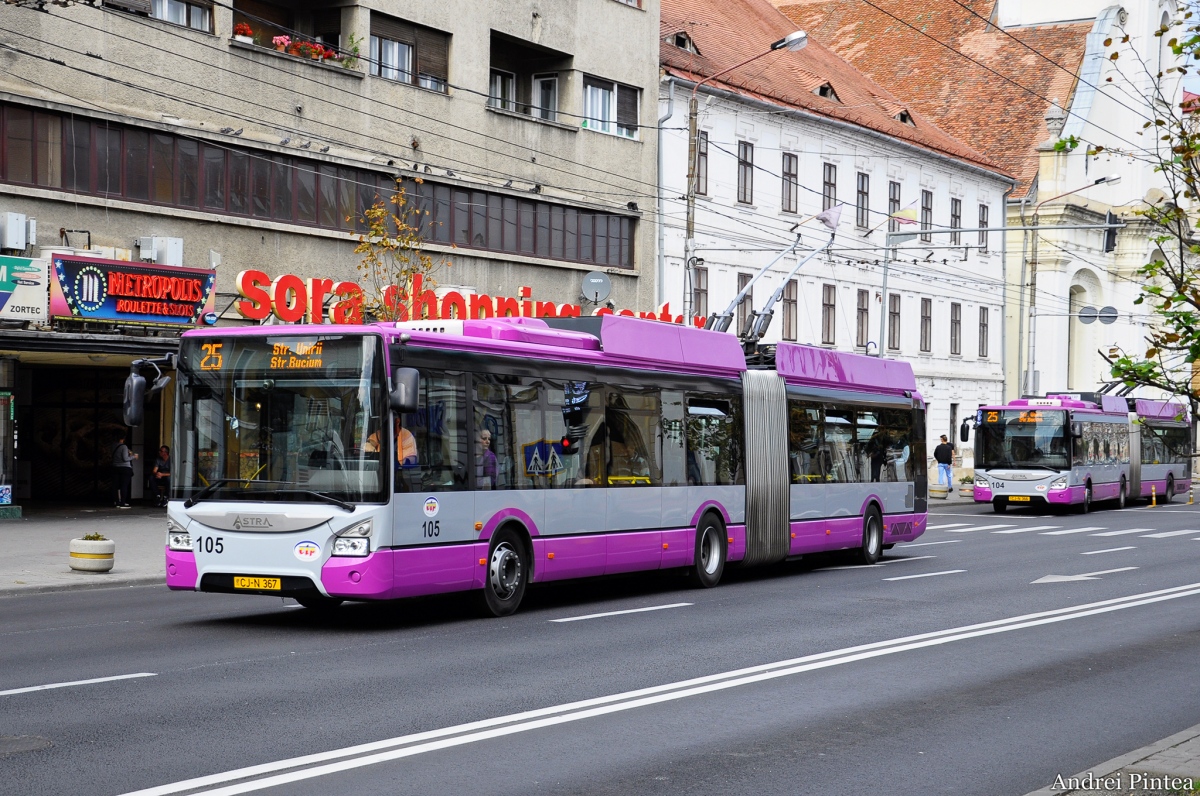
pixel 1034 528
pixel 1166 534
pixel 418 743
pixel 947 525
pixel 1108 550
pixel 907 558
pixel 1125 532
pixel 1072 530
pixel 874 566
pixel 979 528
pixel 928 574
pixel 1084 576
pixel 48 686
pixel 926 544
pixel 618 613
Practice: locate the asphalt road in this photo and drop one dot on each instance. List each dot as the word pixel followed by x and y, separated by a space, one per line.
pixel 807 678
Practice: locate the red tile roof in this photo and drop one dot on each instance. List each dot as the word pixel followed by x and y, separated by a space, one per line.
pixel 1191 101
pixel 726 32
pixel 981 107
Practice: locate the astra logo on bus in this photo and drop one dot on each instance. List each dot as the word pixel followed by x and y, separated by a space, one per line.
pixel 292 299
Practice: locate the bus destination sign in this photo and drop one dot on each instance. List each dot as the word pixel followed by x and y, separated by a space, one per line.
pixel 274 354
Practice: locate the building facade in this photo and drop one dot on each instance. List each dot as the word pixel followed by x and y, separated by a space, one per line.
pixel 794 134
pixel 214 139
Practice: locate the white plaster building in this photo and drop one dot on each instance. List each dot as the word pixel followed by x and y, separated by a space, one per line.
pixel 818 132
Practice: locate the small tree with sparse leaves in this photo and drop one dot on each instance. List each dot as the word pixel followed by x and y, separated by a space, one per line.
pixel 392 250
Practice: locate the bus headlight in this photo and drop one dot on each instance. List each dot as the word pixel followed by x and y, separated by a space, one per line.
pixel 981 481
pixel 1059 483
pixel 177 538
pixel 355 541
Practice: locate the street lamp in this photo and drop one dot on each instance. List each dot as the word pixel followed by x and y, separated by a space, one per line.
pixel 796 40
pixel 1027 381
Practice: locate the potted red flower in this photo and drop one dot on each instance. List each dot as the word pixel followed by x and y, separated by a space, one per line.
pixel 243 33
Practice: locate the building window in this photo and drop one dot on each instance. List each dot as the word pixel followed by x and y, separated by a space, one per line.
pixel 700 293
pixel 956 221
pixel 502 92
pixel 745 173
pixel 829 187
pixel 104 159
pixel 409 53
pixel 893 206
pixel 747 305
pixel 790 309
pixel 828 314
pixel 197 16
pixel 926 215
pixel 862 203
pixel 610 107
pixel 956 329
pixel 863 319
pixel 545 97
pixel 983 332
pixel 893 343
pixel 702 165
pixel 791 183
pixel 983 222
pixel 926 325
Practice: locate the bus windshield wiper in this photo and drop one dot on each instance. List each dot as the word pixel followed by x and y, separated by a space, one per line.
pixel 1042 467
pixel 321 496
pixel 206 491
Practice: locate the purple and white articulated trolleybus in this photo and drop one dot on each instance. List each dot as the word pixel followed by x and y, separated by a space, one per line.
pixel 1064 451
pixel 332 463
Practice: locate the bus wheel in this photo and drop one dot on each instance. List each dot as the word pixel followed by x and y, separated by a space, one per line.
pixel 1000 506
pixel 872 540
pixel 318 602
pixel 1087 499
pixel 508 572
pixel 710 553
pixel 1121 496
pixel 1169 492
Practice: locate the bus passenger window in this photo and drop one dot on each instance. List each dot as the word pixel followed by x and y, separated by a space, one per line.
pixel 804 429
pixel 633 424
pixel 431 443
pixel 575 430
pixel 714 441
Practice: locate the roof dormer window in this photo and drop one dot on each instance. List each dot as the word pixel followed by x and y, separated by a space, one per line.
pixel 684 42
pixel 826 91
pixel 904 117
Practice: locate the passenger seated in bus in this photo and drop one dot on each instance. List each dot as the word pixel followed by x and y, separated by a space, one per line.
pixel 485 467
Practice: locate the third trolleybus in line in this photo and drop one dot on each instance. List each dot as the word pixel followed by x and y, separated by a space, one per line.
pixel 1063 451
pixel 400 459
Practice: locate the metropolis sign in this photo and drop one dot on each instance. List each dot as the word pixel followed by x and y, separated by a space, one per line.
pixel 131 293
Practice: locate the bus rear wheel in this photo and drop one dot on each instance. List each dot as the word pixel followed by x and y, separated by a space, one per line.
pixel 710 553
pixel 1087 499
pixel 1169 492
pixel 1121 496
pixel 507 574
pixel 872 540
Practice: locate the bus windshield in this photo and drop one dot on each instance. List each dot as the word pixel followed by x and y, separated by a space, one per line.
pixel 1035 438
pixel 297 418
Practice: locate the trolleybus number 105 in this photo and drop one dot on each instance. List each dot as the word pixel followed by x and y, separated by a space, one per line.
pixel 210 544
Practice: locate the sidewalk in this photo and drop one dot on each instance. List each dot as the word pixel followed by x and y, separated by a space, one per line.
pixel 33 550
pixel 1171 766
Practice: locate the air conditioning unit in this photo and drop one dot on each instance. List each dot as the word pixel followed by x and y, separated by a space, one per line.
pixel 12 231
pixel 161 250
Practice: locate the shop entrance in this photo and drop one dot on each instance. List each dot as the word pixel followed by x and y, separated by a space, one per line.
pixel 67 431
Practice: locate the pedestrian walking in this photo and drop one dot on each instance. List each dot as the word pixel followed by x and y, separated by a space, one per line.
pixel 122 460
pixel 944 456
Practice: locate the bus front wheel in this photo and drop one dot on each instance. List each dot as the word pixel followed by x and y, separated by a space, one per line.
pixel 507 575
pixel 1169 492
pixel 318 602
pixel 872 539
pixel 710 553
pixel 1000 506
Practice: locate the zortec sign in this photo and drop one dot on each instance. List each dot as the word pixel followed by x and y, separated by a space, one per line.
pixel 22 289
pixel 132 293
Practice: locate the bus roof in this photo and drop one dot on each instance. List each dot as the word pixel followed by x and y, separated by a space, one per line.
pixel 809 365
pixel 1170 411
pixel 1109 404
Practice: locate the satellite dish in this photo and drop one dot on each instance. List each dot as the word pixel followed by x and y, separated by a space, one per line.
pixel 1108 315
pixel 1087 315
pixel 596 287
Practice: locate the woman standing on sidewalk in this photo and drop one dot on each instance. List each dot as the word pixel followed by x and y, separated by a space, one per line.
pixel 122 461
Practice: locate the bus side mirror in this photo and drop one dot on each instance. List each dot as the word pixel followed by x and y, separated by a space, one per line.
pixel 1076 429
pixel 406 383
pixel 964 432
pixel 133 406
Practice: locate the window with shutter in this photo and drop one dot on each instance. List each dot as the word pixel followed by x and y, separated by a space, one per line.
pixel 433 59
pixel 627 111
pixel 393 41
pixel 132 6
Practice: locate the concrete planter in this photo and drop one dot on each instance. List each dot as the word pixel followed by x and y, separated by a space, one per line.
pixel 939 491
pixel 89 556
pixel 967 490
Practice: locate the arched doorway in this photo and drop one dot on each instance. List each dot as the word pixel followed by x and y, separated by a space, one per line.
pixel 1081 356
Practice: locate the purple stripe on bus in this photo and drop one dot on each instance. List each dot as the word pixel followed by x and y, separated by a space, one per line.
pixel 181 570
pixel 818 366
pixel 572 556
pixel 434 570
pixel 680 547
pixel 903 527
pixel 1160 488
pixel 983 494
pixel 630 552
pixel 371 577
pixel 867 502
pixel 1072 494
pixel 705 506
pixel 737 548
pixel 504 515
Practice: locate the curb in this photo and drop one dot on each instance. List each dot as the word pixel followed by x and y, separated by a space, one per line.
pixel 1124 761
pixel 115 583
